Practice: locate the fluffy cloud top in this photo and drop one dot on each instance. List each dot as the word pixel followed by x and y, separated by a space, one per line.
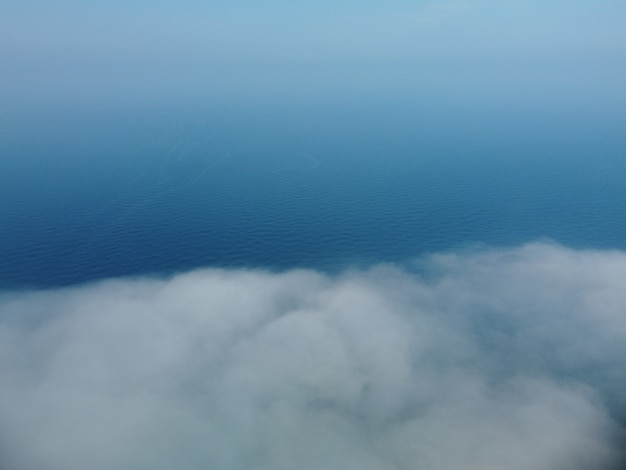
pixel 501 359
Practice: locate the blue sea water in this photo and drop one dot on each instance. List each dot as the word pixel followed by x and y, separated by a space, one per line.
pixel 324 184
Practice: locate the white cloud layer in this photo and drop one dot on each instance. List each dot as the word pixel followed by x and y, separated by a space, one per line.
pixel 501 359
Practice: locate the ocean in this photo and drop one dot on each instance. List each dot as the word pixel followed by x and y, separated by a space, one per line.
pixel 321 183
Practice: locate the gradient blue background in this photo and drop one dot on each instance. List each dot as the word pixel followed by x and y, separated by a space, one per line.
pixel 147 138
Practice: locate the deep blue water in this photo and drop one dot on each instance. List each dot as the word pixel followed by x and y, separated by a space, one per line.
pixel 87 195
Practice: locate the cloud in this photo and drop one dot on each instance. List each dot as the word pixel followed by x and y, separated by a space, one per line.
pixel 510 358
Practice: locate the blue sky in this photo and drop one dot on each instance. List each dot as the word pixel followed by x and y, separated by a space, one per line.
pixel 64 47
pixel 393 32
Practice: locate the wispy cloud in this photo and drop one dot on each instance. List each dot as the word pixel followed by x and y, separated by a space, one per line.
pixel 507 358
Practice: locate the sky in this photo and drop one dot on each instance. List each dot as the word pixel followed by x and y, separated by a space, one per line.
pixel 474 50
pixel 479 357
